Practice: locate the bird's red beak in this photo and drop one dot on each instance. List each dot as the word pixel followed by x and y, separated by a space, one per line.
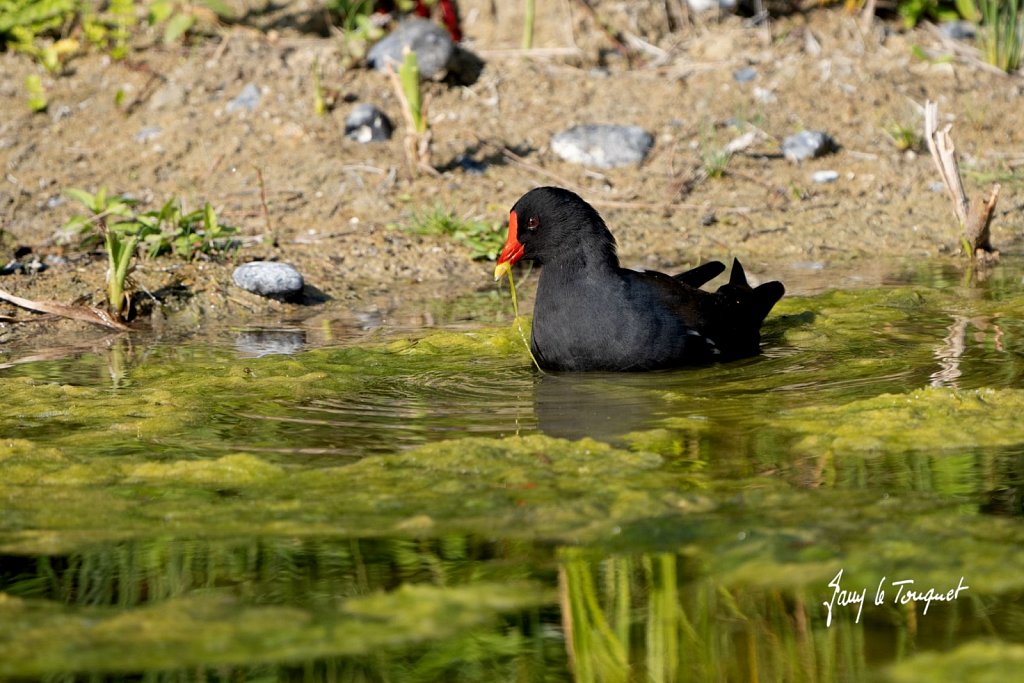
pixel 513 249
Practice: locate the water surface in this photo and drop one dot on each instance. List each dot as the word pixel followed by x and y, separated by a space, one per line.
pixel 428 507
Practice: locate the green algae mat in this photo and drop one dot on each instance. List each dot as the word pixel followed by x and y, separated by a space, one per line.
pixel 847 506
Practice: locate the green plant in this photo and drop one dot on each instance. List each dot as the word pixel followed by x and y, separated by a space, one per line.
pixel 1002 33
pixel 353 17
pixel 914 11
pixel 119 243
pixel 715 161
pixel 483 239
pixel 179 18
pixel 171 230
pixel 21 19
pixel 904 137
pixel 123 18
pixel 124 231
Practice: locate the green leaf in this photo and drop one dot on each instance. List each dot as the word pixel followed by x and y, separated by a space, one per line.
pixel 84 198
pixel 37 101
pixel 221 9
pixel 209 218
pixel 178 26
pixel 160 11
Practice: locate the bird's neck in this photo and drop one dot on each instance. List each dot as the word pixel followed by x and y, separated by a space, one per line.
pixel 584 261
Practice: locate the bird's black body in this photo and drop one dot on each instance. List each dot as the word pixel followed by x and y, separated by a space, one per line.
pixel 591 314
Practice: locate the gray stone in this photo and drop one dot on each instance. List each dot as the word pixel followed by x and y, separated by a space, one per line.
pixel 699 6
pixel 744 75
pixel 822 177
pixel 367 123
pixel 247 100
pixel 807 144
pixel 431 43
pixel 604 146
pixel 269 278
pixel 148 133
pixel 958 30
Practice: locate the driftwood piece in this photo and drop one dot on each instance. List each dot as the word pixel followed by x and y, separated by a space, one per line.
pixel 975 219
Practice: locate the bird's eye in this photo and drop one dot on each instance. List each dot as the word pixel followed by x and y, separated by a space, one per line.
pixel 532 223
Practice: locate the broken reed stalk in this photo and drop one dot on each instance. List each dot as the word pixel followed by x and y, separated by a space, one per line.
pixel 974 223
pixel 406 82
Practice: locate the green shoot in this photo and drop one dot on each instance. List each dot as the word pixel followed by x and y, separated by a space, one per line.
pixel 319 104
pixel 715 162
pixel 406 83
pixel 528 21
pixel 37 101
pixel 409 76
pixel 120 250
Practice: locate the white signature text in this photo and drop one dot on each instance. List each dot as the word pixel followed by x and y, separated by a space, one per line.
pixel 906 592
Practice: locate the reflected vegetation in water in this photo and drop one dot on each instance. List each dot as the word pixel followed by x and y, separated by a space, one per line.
pixel 432 509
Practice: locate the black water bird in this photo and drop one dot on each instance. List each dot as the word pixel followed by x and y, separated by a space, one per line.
pixel 592 314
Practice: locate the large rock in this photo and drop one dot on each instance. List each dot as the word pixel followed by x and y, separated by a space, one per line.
pixel 270 278
pixel 603 145
pixel 431 43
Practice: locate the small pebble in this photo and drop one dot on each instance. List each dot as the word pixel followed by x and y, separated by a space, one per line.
pixel 744 75
pixel 367 123
pixel 825 176
pixel 431 43
pixel 699 6
pixel 604 146
pixel 148 133
pixel 269 278
pixel 807 144
pixel 247 100
pixel 958 30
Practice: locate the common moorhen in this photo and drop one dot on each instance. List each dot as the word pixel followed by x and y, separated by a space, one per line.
pixel 591 314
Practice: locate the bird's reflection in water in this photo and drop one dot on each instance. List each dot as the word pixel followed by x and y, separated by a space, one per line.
pixel 602 406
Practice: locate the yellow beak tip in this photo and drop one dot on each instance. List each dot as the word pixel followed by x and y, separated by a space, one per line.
pixel 501 270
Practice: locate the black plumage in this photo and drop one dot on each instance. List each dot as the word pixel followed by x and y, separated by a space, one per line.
pixel 592 314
